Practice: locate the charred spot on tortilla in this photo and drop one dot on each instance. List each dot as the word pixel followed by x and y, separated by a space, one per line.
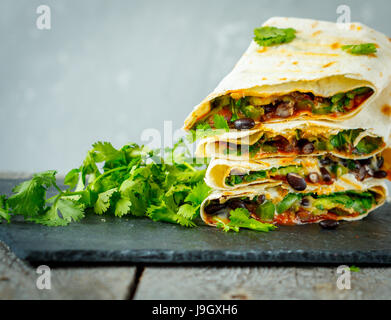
pixel 386 110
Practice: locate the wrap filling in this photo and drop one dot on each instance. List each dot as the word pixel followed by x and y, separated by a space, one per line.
pixel 305 143
pixel 294 208
pixel 330 168
pixel 245 112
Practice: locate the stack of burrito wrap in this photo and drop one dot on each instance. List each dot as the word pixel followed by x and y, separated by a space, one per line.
pixel 298 132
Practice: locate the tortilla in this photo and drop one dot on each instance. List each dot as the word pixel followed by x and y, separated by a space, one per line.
pixel 276 192
pixel 313 62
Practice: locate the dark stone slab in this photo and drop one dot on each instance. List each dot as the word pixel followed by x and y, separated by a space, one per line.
pixel 140 240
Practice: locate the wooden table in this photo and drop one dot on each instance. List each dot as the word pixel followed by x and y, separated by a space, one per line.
pixel 18 281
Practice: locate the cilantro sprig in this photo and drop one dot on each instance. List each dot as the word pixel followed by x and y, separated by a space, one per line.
pixel 269 36
pixel 360 49
pixel 132 181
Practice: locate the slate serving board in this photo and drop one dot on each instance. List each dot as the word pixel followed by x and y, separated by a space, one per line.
pixel 140 240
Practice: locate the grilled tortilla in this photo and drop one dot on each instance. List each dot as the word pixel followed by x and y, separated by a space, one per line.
pixel 310 77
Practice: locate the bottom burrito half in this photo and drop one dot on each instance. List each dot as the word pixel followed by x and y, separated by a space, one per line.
pixel 278 204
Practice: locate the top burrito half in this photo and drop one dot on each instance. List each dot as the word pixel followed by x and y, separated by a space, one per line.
pixel 311 70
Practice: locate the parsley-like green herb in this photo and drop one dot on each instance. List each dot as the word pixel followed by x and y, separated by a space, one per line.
pixel 220 122
pixel 240 218
pixel 203 130
pixel 354 269
pixel 360 49
pixel 132 181
pixel 4 209
pixel 269 36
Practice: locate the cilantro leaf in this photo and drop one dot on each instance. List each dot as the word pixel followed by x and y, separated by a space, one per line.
pixel 187 211
pixel 104 151
pixel 198 194
pixel 29 196
pixel 122 207
pixel 354 269
pixel 103 202
pixel 269 36
pixel 72 178
pixel 240 218
pixel 220 122
pixel 202 130
pixel 225 226
pixel 69 210
pixel 4 213
pixel 360 49
pixel 162 213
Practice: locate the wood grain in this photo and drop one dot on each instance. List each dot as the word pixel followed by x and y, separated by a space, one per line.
pixel 261 283
pixel 18 281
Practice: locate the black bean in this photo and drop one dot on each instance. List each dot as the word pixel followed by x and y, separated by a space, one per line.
pixel 296 181
pixel 214 208
pixel 380 162
pixel 261 199
pixel 305 146
pixel 325 174
pixel 302 142
pixel 380 174
pixel 269 108
pixel 361 174
pixel 251 207
pixel 344 162
pixel 369 170
pixel 357 164
pixel 325 161
pixel 329 224
pixel 308 148
pixel 237 203
pixel 305 202
pixel 245 123
pixel 365 161
pixel 313 177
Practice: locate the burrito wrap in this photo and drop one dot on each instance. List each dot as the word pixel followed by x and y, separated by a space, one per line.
pixel 313 62
pixel 276 191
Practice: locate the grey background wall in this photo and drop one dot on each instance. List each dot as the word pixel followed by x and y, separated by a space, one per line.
pixel 108 69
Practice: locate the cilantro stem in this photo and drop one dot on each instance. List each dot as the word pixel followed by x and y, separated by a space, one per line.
pixel 189 166
pixel 57 187
pixel 65 193
pixel 106 173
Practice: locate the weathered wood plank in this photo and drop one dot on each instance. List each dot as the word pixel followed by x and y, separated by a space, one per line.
pixel 261 283
pixel 18 281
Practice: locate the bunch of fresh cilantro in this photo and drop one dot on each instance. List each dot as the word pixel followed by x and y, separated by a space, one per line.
pixel 128 181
